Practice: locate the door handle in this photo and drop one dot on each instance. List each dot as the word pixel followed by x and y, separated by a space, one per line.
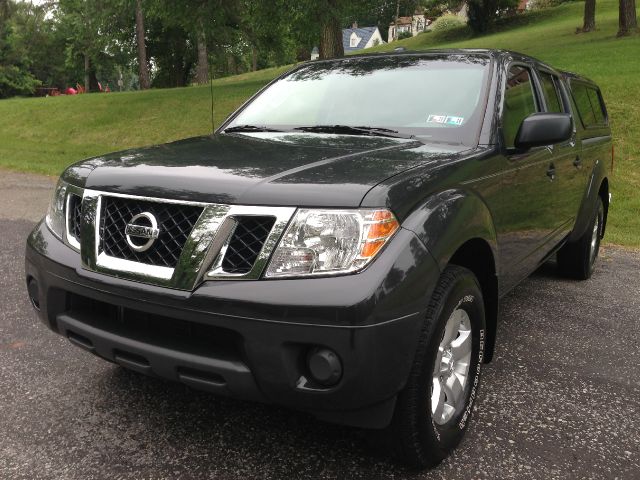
pixel 551 172
pixel 577 162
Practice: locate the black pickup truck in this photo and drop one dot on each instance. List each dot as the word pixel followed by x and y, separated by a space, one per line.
pixel 341 243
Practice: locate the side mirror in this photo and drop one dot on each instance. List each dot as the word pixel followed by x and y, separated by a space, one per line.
pixel 540 129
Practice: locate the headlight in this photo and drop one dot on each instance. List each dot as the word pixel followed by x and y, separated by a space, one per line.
pixel 55 218
pixel 321 242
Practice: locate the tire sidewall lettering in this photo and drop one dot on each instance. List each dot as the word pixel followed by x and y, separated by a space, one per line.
pixel 474 388
pixel 467 302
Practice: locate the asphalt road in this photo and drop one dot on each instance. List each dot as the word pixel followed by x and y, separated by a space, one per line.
pixel 560 400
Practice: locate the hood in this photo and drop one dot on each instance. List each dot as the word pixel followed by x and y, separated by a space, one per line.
pixel 302 169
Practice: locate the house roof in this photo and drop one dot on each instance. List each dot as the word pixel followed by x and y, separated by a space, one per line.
pixel 365 33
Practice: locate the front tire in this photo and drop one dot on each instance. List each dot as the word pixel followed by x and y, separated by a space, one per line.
pixel 433 411
pixel 578 259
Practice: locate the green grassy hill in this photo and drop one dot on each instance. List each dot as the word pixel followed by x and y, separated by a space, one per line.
pixel 44 135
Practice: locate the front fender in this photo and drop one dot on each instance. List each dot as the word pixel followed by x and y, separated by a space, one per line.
pixel 447 220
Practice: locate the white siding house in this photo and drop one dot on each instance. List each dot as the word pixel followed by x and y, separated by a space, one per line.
pixel 359 38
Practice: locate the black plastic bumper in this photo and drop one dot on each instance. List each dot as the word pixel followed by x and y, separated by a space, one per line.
pixel 249 339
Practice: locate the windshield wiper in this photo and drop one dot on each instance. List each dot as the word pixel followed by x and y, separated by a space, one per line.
pixel 249 128
pixel 350 130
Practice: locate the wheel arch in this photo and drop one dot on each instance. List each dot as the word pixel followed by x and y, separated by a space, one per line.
pixel 457 228
pixel 597 187
pixel 603 192
pixel 476 255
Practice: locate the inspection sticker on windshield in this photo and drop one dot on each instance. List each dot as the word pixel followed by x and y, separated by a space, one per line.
pixel 454 120
pixel 436 119
pixel 446 119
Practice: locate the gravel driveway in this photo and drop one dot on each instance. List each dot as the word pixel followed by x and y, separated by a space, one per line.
pixel 560 400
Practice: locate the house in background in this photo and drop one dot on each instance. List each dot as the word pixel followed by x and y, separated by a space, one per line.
pixel 524 5
pixel 413 25
pixel 315 53
pixel 359 38
pixel 463 12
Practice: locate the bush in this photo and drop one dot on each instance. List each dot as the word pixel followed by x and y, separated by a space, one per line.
pixel 446 22
pixel 14 81
pixel 404 35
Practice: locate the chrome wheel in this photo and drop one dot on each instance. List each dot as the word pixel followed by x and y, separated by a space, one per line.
pixel 594 239
pixel 451 369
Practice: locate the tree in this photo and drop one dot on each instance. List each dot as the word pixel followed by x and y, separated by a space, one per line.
pixel 483 13
pixel 627 22
pixel 202 67
pixel 82 23
pixel 331 31
pixel 143 67
pixel 261 26
pixel 15 78
pixel 196 27
pixel 4 12
pixel 589 23
pixel 320 22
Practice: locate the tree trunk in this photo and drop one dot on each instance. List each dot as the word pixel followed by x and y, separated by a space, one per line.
pixel 87 67
pixel 395 30
pixel 202 69
pixel 589 24
pixel 331 33
pixel 254 58
pixel 232 67
pixel 93 79
pixel 4 10
pixel 628 23
pixel 143 68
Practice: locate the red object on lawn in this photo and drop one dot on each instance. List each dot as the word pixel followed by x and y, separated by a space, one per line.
pixel 71 91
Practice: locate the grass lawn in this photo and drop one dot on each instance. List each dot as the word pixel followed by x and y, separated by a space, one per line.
pixel 45 135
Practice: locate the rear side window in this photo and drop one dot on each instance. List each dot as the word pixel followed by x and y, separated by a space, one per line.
pixel 551 93
pixel 519 102
pixel 589 103
pixel 596 104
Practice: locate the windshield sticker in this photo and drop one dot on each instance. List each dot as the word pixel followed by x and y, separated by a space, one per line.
pixel 446 119
pixel 454 121
pixel 436 119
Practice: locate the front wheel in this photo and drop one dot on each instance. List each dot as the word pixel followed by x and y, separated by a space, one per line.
pixel 433 410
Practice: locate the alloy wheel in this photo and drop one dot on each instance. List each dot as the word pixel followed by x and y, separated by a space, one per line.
pixel 451 369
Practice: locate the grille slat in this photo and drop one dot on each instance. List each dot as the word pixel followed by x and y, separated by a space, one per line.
pixel 75 215
pixel 165 332
pixel 175 222
pixel 246 242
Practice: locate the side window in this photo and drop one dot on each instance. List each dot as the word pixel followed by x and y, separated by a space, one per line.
pixel 589 105
pixel 596 104
pixel 551 93
pixel 519 102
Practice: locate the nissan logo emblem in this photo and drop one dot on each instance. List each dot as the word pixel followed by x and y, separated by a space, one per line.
pixel 142 226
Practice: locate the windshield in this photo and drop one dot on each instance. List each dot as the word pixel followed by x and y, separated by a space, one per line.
pixel 435 98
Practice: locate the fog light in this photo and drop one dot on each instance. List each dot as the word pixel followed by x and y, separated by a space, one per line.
pixel 34 293
pixel 324 366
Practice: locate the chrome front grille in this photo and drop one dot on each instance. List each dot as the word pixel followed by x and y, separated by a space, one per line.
pixel 175 223
pixel 245 243
pixel 185 243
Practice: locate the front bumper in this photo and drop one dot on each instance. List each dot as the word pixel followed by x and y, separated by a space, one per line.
pixel 249 339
